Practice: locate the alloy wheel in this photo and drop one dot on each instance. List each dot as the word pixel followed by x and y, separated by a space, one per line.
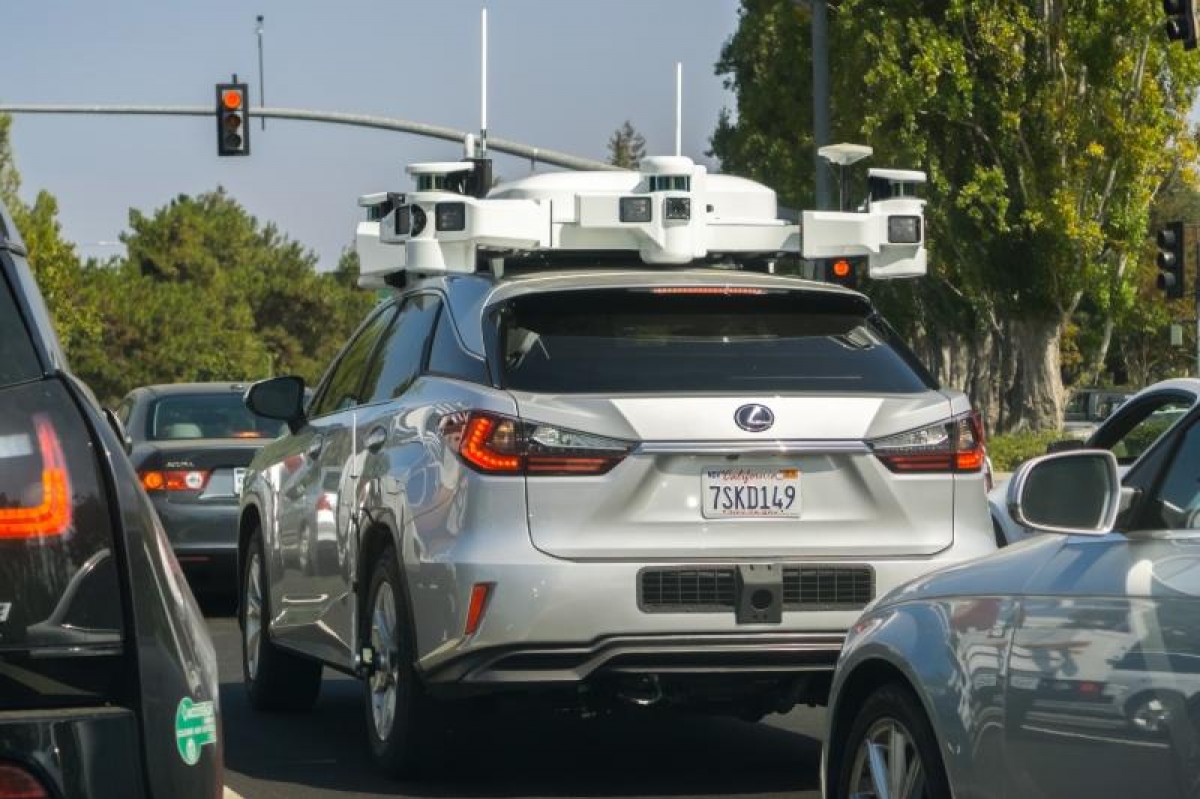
pixel 385 674
pixel 887 764
pixel 252 627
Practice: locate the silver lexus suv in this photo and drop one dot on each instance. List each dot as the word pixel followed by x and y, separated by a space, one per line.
pixel 660 486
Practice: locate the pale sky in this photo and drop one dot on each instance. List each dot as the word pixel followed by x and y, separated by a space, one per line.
pixel 563 74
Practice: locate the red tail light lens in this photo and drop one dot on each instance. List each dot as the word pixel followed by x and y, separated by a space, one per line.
pixel 17 783
pixel 175 480
pixel 954 446
pixel 43 507
pixel 497 444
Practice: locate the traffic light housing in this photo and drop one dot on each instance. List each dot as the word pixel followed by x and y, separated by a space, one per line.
pixel 1171 260
pixel 1181 22
pixel 233 128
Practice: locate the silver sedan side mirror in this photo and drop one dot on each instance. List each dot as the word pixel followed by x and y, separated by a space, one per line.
pixel 1075 493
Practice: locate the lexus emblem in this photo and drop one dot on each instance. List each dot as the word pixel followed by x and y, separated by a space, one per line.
pixel 754 418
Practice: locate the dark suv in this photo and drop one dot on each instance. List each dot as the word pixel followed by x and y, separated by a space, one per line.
pixel 108 679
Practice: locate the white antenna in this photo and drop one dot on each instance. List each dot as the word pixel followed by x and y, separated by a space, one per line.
pixel 483 58
pixel 678 108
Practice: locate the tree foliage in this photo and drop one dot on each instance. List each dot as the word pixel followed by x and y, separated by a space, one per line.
pixel 1046 133
pixel 626 147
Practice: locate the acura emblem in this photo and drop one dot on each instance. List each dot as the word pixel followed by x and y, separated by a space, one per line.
pixel 754 418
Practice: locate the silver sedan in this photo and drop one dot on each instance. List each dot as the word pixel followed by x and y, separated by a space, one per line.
pixel 1067 665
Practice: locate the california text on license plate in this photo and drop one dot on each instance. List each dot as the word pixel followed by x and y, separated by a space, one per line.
pixel 751 491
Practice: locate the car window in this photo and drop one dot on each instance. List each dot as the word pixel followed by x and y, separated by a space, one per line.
pixel 18 361
pixel 343 388
pixel 679 339
pixel 1176 502
pixel 447 356
pixel 1136 428
pixel 398 360
pixel 207 415
pixel 124 410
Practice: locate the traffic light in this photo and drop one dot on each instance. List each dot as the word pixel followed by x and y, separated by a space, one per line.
pixel 1181 22
pixel 1171 260
pixel 843 272
pixel 233 130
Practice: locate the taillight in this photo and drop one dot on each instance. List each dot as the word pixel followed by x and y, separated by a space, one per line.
pixel 174 480
pixel 496 444
pixel 35 489
pixel 17 783
pixel 953 446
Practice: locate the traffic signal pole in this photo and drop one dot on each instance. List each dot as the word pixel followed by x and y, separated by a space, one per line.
pixel 528 152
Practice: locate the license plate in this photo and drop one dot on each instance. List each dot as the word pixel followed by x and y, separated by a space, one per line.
pixel 239 479
pixel 750 492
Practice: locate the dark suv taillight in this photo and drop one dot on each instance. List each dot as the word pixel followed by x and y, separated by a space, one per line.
pixel 17 783
pixel 35 489
pixel 953 446
pixel 497 444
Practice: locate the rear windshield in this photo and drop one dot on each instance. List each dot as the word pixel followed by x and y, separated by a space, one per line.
pixel 629 341
pixel 18 362
pixel 183 416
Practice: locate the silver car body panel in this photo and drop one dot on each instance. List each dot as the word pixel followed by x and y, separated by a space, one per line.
pixel 1057 667
pixel 564 553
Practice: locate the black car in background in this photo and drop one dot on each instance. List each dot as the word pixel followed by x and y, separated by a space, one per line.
pixel 190 444
pixel 108 679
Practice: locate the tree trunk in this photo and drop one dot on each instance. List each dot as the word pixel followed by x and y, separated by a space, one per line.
pixel 1013 378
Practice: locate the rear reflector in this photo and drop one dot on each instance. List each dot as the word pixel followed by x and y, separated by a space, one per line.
pixel 43 504
pixel 953 446
pixel 175 480
pixel 496 444
pixel 479 597
pixel 17 783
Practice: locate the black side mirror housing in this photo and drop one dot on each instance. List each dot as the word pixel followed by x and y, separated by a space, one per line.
pixel 279 398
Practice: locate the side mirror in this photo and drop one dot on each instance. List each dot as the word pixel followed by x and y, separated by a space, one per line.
pixel 114 422
pixel 1071 492
pixel 279 398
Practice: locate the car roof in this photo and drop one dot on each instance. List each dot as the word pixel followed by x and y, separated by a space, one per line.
pixel 176 389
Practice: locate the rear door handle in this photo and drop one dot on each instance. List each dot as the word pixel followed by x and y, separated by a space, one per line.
pixel 376 439
pixel 315 447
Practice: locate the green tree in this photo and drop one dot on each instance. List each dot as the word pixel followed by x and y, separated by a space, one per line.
pixel 626 147
pixel 1046 134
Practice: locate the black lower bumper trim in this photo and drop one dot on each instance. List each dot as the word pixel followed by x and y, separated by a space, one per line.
pixel 779 653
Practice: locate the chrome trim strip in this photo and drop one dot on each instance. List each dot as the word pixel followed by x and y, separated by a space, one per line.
pixel 799 446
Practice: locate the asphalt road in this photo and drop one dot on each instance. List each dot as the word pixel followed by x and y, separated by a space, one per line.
pixel 513 754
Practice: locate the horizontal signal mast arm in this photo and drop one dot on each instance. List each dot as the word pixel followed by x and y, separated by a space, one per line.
pixel 552 157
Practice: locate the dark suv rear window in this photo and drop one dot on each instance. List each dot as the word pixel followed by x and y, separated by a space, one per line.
pixel 18 362
pixel 670 340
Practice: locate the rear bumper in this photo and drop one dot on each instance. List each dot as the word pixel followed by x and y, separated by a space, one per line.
pixel 755 653
pixel 204 538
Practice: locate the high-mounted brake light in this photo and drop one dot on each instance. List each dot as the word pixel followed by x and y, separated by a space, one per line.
pixel 723 291
pixel 953 446
pixel 496 444
pixel 17 783
pixel 51 515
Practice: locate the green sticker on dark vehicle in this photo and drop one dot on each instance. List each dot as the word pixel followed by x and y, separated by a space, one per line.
pixel 195 727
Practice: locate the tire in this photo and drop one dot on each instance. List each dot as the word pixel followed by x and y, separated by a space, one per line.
pixel 276 680
pixel 401 720
pixel 891 709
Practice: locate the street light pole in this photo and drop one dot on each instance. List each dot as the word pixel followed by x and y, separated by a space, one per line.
pixel 820 80
pixel 262 96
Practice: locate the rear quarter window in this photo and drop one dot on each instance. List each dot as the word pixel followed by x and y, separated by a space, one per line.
pixel 18 360
pixel 639 341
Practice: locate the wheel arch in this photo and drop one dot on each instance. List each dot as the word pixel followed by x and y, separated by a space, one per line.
pixel 249 520
pixel 378 532
pixel 866 676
